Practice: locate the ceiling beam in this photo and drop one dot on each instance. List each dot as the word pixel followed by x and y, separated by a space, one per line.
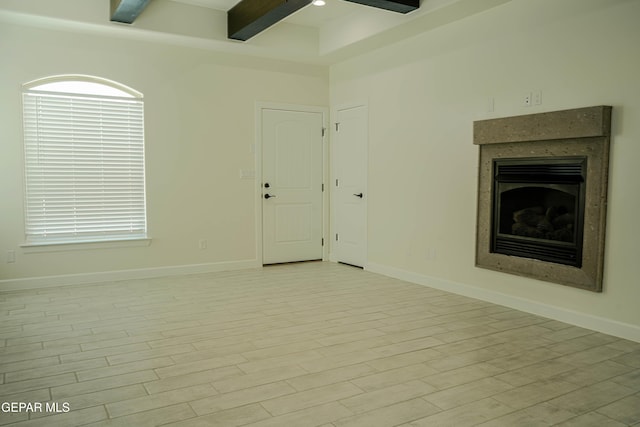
pixel 126 11
pixel 250 17
pixel 401 6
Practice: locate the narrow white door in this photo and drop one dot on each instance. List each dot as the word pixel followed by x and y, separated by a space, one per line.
pixel 291 186
pixel 350 150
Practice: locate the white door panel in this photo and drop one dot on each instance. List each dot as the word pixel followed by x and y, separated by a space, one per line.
pixel 292 178
pixel 292 222
pixel 350 148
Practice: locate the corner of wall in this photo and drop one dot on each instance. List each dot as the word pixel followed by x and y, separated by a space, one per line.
pixel 583 320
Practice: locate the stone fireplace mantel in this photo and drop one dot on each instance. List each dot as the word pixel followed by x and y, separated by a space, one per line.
pixel 582 132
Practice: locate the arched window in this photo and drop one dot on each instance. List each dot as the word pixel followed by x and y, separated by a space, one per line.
pixel 84 160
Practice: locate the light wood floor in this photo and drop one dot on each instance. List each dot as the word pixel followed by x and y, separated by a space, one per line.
pixel 314 344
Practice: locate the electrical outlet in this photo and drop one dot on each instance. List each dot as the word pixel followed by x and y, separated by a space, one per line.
pixel 202 244
pixel 526 101
pixel 11 257
pixel 491 104
pixel 537 97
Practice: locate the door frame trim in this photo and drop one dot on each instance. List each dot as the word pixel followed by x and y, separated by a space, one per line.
pixel 257 151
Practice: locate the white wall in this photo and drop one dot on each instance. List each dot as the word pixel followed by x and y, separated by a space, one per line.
pixel 200 124
pixel 425 93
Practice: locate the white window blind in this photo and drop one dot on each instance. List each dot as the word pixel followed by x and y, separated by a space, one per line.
pixel 84 163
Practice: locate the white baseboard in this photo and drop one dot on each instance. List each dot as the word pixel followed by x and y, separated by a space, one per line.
pixel 584 320
pixel 110 276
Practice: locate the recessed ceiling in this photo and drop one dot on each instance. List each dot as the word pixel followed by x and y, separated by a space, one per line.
pixel 312 35
pixel 310 16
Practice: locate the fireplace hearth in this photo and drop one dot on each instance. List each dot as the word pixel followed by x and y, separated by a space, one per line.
pixel 542 195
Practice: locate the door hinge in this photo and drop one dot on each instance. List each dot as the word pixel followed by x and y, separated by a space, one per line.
pixel 323 130
pixel 336 237
pixel 323 241
pixel 337 126
pixel 336 182
pixel 323 188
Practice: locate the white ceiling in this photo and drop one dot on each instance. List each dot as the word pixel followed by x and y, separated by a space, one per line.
pixel 213 4
pixel 317 33
pixel 313 35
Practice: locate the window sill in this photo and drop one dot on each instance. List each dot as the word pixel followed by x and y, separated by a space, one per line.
pixel 30 248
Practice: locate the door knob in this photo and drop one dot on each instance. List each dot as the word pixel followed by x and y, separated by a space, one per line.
pixel 268 196
pixel 266 185
pixel 359 195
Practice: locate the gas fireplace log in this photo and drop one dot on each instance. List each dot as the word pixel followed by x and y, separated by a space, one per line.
pixel 529 216
pixel 553 223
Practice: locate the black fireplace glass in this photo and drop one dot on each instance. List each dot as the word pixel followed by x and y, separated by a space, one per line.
pixel 538 208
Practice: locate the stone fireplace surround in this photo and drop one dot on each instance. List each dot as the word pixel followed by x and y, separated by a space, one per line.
pixel 577 132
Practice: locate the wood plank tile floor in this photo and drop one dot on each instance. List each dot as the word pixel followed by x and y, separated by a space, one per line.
pixel 311 344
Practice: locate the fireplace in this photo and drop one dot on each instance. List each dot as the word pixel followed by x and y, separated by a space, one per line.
pixel 538 209
pixel 542 193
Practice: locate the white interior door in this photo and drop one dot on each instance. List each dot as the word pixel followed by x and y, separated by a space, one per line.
pixel 291 186
pixel 350 153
